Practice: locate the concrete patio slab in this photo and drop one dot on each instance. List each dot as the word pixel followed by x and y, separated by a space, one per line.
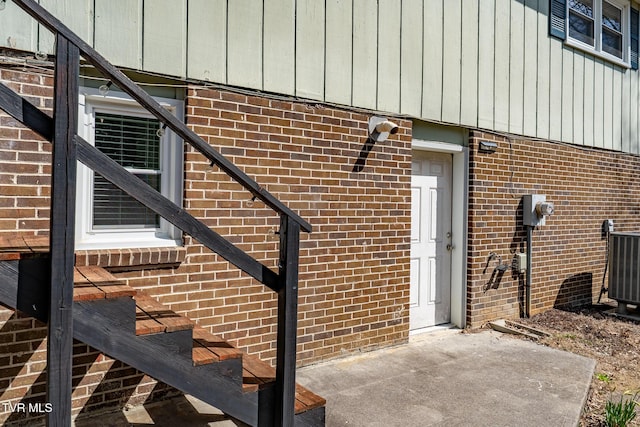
pixel 454 379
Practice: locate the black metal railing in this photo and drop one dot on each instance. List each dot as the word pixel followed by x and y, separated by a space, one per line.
pixel 68 146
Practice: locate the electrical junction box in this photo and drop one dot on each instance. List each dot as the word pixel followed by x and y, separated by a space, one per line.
pixel 520 263
pixel 535 209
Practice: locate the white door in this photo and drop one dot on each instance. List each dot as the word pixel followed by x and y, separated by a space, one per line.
pixel 430 296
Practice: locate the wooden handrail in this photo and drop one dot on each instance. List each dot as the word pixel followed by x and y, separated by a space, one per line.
pixel 49 21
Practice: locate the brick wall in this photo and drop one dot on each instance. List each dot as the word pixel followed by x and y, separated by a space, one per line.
pixel 354 267
pixel 586 185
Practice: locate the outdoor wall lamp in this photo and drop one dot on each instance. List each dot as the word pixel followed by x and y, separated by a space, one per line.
pixel 488 146
pixel 380 128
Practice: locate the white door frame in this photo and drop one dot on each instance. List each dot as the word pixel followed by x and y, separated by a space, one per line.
pixel 459 205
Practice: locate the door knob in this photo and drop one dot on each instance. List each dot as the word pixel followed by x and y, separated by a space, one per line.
pixel 450 247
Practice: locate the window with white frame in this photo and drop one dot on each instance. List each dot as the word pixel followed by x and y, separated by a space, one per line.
pixel 600 26
pixel 107 217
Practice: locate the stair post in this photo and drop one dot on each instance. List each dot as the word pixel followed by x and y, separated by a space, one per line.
pixel 285 386
pixel 62 225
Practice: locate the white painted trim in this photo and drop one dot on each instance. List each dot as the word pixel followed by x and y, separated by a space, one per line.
pixel 459 206
pixel 172 153
pixel 441 147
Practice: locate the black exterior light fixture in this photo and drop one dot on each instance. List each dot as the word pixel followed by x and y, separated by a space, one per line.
pixel 488 147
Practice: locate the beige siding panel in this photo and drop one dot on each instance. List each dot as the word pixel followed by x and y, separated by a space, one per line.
pixel 634 102
pixel 365 53
pixel 530 67
pixel 578 98
pixel 626 110
pixel 486 64
pixel 77 15
pixel 543 72
pixel 389 55
pixel 608 106
pixel 589 85
pixel 432 61
pixel 118 31
pixel 502 63
pixel 411 65
pixel 338 69
pixel 279 46
pixel 516 72
pixel 207 40
pixel 567 95
pixel 617 109
pixel 164 42
pixel 555 90
pixel 17 29
pixel 244 43
pixel 310 47
pixel 451 57
pixel 469 63
pixel 598 103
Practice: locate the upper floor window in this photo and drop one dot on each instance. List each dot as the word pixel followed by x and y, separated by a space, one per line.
pixel 606 28
pixel 107 217
pixel 601 26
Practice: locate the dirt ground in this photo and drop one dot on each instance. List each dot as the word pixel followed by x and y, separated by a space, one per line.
pixel 613 342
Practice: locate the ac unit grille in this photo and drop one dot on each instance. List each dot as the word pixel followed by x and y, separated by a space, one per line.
pixel 624 267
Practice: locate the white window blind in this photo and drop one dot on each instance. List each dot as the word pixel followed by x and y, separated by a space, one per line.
pixel 133 143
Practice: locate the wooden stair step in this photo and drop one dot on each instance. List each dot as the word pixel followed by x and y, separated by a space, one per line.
pixel 13 246
pixel 148 308
pixel 91 282
pixel 209 348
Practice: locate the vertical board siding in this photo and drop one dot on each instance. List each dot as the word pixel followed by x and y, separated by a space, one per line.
pixel 17 29
pixel 476 63
pixel 567 95
pixel 543 76
pixel 310 48
pixel 555 90
pixel 339 48
pixel 502 26
pixel 633 113
pixel 432 61
pixel 389 17
pixel 78 16
pixel 530 91
pixel 118 31
pixel 516 69
pixel 598 103
pixel 365 53
pixel 469 63
pixel 164 37
pixel 279 47
pixel 626 112
pixel 608 107
pixel 578 98
pixel 617 109
pixel 486 63
pixel 589 93
pixel 411 58
pixel 207 40
pixel 244 43
pixel 451 69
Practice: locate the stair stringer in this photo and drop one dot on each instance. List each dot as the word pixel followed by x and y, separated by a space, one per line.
pixel 107 326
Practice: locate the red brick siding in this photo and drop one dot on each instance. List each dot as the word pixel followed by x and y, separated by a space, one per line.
pixel 354 269
pixel 586 185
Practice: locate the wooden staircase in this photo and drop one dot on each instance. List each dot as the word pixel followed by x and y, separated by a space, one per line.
pixel 133 327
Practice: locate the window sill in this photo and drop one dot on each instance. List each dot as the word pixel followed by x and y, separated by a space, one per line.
pixel 595 53
pixel 138 257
